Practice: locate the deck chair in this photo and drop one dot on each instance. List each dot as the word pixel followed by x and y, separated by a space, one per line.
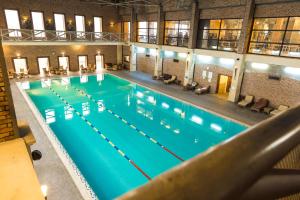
pixel 280 109
pixel 246 101
pixel 202 90
pixel 171 80
pixel 191 86
pixel 83 69
pixel 260 104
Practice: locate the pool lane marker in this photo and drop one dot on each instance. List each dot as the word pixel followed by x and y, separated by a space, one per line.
pixel 101 134
pixel 129 124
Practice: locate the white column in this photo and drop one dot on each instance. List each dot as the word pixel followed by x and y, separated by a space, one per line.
pixel 132 58
pixel 236 83
pixel 189 68
pixel 158 62
pixel 119 54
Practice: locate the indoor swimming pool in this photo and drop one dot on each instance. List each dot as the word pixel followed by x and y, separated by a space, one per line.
pixel 119 134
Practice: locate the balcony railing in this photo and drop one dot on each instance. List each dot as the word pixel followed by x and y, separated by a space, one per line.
pixel 16 35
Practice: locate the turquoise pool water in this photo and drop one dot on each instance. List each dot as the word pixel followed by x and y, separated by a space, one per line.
pixel 119 134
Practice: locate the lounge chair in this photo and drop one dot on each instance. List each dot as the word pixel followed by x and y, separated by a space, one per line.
pixel 83 69
pixel 260 104
pixel 280 109
pixel 246 101
pixel 171 80
pixel 108 66
pixel 202 90
pixel 191 86
pixel 46 72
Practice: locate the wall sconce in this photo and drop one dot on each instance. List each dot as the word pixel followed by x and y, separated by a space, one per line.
pixel 24 19
pixel 63 54
pixel 112 24
pixel 98 52
pixel 18 55
pixel 70 21
pixel 89 23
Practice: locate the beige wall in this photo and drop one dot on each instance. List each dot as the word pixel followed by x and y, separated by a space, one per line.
pixel 68 7
pixel 215 69
pixel 145 64
pixel 284 91
pixel 32 52
pixel 174 68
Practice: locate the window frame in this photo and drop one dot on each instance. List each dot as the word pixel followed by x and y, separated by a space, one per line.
pixel 19 18
pixel 65 21
pixel 37 61
pixel 98 35
pixel 220 29
pixel 148 32
pixel 178 31
pixel 87 60
pixel 80 34
pixel 60 56
pixel 282 43
pixel 43 14
pixel 22 57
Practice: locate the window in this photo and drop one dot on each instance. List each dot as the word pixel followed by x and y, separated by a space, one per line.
pixel 20 65
pixel 82 62
pixel 99 62
pixel 177 33
pixel 60 25
pixel 276 36
pixel 63 61
pixel 13 22
pixel 126 31
pixel 43 63
pixel 80 27
pixel 38 24
pixel 219 34
pixel 147 32
pixel 98 27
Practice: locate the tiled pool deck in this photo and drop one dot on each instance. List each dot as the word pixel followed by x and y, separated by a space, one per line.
pixel 50 168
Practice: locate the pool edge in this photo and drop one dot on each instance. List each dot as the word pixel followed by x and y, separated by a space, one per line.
pixel 82 185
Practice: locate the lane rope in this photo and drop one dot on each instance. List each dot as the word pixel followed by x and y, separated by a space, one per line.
pixel 101 134
pixel 90 97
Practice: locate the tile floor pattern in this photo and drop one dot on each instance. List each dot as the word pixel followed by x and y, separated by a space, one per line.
pixel 50 168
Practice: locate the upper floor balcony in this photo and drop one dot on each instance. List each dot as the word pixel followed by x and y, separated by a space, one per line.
pixel 50 37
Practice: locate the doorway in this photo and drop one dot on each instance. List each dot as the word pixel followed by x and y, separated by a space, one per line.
pixel 99 63
pixel 43 63
pixel 63 61
pixel 20 65
pixel 223 86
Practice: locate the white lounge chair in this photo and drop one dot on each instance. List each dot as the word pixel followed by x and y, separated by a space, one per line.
pixel 247 101
pixel 280 109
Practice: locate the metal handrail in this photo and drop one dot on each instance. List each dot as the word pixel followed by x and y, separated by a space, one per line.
pixel 230 169
pixel 17 35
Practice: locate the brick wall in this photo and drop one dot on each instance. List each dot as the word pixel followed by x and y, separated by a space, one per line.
pixel 67 7
pixel 284 91
pixel 8 125
pixel 32 52
pixel 145 64
pixel 215 69
pixel 174 68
